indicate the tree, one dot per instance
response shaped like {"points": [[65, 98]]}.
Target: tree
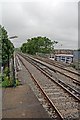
{"points": [[7, 48], [37, 45], [0, 48], [23, 47]]}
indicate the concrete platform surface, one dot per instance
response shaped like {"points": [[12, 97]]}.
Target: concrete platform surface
{"points": [[20, 102]]}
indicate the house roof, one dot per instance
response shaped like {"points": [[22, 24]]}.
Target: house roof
{"points": [[64, 55]]}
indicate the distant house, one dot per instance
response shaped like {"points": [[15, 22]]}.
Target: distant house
{"points": [[66, 58], [63, 51], [63, 55]]}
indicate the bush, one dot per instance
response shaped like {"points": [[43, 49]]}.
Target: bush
{"points": [[7, 82], [6, 71], [17, 82]]}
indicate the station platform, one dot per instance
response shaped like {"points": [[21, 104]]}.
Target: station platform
{"points": [[21, 102]]}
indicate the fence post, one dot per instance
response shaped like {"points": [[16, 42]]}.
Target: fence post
{"points": [[14, 80]]}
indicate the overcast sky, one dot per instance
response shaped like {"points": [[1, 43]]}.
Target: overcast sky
{"points": [[51, 18]]}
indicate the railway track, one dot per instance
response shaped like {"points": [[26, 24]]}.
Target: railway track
{"points": [[55, 113], [62, 69], [57, 64], [64, 82], [66, 104]]}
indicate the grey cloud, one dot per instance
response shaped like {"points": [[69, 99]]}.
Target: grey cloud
{"points": [[28, 19]]}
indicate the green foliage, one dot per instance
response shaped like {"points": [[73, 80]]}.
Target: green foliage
{"points": [[7, 50], [7, 46], [17, 49], [7, 82], [17, 82], [38, 45], [6, 71]]}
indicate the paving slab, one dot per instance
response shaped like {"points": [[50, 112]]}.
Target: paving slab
{"points": [[20, 102]]}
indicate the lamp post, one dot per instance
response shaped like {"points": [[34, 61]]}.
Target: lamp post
{"points": [[13, 67], [12, 37]]}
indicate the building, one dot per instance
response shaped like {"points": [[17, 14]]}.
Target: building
{"points": [[66, 58], [63, 51], [63, 55]]}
